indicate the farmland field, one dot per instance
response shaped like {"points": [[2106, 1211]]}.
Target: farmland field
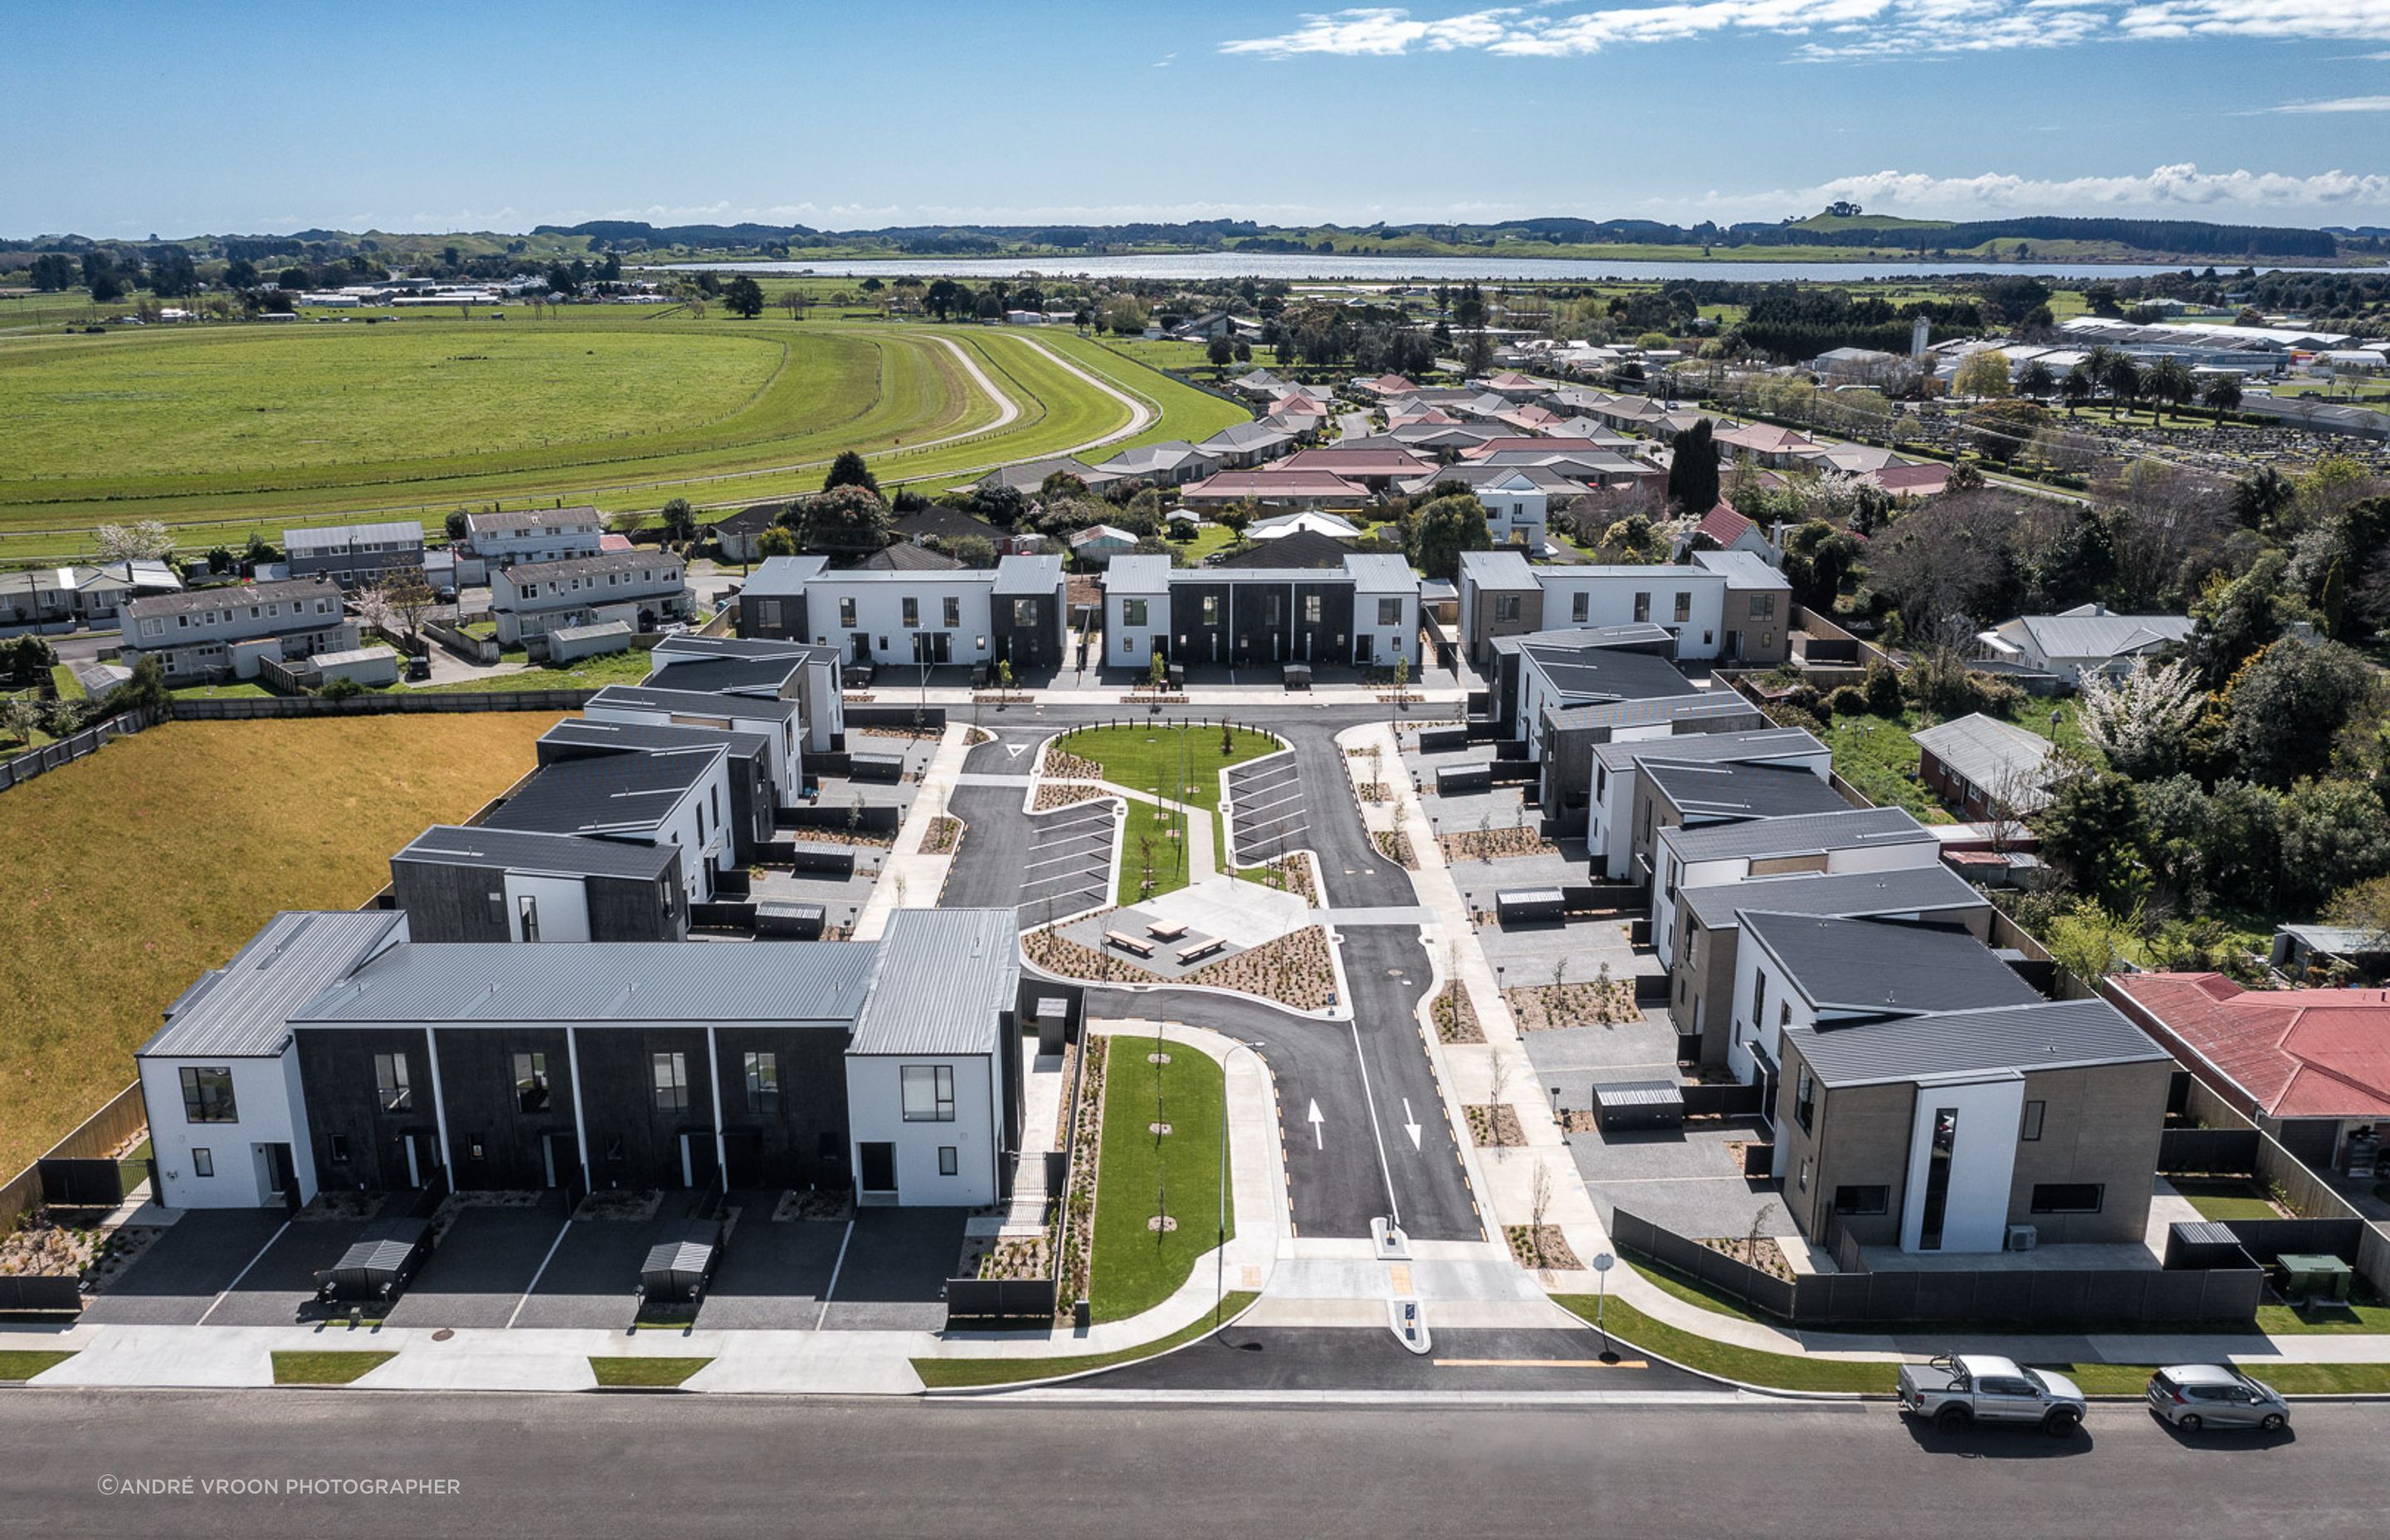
{"points": [[222, 429], [138, 868]]}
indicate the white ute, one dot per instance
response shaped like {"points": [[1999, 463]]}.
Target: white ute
{"points": [[1961, 1388]]}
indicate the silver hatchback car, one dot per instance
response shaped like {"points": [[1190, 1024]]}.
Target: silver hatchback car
{"points": [[2192, 1396]]}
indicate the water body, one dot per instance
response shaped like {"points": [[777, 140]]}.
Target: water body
{"points": [[1383, 270]]}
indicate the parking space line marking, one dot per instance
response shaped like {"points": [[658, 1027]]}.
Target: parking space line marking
{"points": [[242, 1274], [831, 1290], [553, 1247]]}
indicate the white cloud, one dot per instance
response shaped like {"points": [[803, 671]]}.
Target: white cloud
{"points": [[2339, 103], [2181, 191], [1851, 29]]}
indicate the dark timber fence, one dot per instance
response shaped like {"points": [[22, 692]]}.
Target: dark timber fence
{"points": [[257, 708], [35, 763], [97, 1138]]}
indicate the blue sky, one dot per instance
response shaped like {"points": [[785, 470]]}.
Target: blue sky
{"points": [[207, 117]]}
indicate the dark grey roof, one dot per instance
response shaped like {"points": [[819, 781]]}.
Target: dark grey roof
{"points": [[1756, 745], [695, 703], [1909, 890], [639, 736], [582, 516], [943, 976], [241, 1009], [529, 851], [672, 981], [1598, 673], [1722, 705], [1886, 967], [1637, 634], [689, 646], [239, 595], [713, 675], [1302, 548], [939, 519], [1858, 829], [1712, 793], [621, 794], [905, 557], [2047, 1034]]}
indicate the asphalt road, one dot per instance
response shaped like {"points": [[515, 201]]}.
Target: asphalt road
{"points": [[532, 1467], [1368, 1358]]}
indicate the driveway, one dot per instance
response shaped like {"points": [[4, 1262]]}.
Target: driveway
{"points": [[593, 1278], [773, 1272], [482, 1266], [893, 1277], [176, 1280], [279, 1287]]}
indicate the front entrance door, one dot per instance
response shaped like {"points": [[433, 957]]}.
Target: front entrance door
{"points": [[1361, 648], [282, 1176], [862, 647], [698, 1165], [879, 1167]]}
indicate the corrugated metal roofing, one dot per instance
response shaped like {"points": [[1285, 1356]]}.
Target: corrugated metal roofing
{"points": [[1892, 966], [1860, 829], [1761, 744], [943, 976], [1376, 573], [1710, 792], [242, 1010], [1140, 575], [639, 736], [783, 576], [1909, 890], [1607, 674], [621, 793], [529, 851], [2090, 632], [331, 537], [648, 698], [1507, 570], [1741, 570], [1992, 755], [1719, 705], [1020, 576], [715, 675], [2048, 1034], [629, 982]]}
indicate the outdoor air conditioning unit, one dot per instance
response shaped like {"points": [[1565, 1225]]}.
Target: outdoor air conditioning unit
{"points": [[2024, 1238]]}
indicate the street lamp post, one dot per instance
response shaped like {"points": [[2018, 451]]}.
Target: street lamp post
{"points": [[1220, 1243]]}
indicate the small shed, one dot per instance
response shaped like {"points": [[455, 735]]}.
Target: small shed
{"points": [[1443, 740], [789, 922], [1530, 906], [2204, 1243], [570, 642], [378, 1263], [367, 665], [1625, 1105], [1462, 780], [884, 768], [822, 860], [1298, 676], [679, 1265]]}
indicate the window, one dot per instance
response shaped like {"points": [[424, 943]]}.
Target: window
{"points": [[2069, 1196], [1506, 607], [1683, 605], [1763, 606], [1805, 1174], [953, 610], [929, 1093], [846, 612], [912, 610], [203, 1162], [207, 1096], [1758, 993], [1311, 610], [671, 1072], [764, 1083], [1390, 611], [527, 911], [1210, 610], [1643, 607], [948, 1162], [1862, 1200], [340, 1151], [1805, 1100], [1132, 611], [391, 1090], [530, 1082], [1024, 613], [2032, 1129], [768, 613]]}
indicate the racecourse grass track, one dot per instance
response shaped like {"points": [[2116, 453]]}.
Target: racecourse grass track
{"points": [[223, 430], [137, 869]]}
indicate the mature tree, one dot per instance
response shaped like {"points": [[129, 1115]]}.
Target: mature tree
{"points": [[2035, 381], [2077, 388], [457, 524], [148, 541], [2123, 377], [2285, 708], [2260, 498], [2142, 720], [2236, 617], [1445, 528], [51, 272], [999, 504], [2335, 834], [1220, 351], [2091, 829], [971, 550], [849, 470], [1983, 374], [679, 520], [846, 520], [743, 297], [1693, 470], [2002, 428], [1946, 566], [2222, 395], [775, 541], [2168, 383], [20, 715]]}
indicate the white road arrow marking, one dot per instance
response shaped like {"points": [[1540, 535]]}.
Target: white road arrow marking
{"points": [[1318, 1141], [1410, 1124]]}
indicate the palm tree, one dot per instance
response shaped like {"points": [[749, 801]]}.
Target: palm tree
{"points": [[2035, 381], [2169, 383], [2076, 387], [2123, 377], [2222, 395]]}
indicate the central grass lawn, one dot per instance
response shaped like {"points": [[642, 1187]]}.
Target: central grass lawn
{"points": [[1136, 1267], [1180, 764], [136, 869], [957, 1373], [23, 1363], [618, 1370], [326, 1369], [1752, 1367]]}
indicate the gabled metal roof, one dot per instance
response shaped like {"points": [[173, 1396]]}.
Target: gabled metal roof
{"points": [[625, 794], [1885, 967], [1860, 829], [677, 982], [241, 1010], [1754, 746], [528, 851], [1715, 792], [647, 697], [942, 978], [1904, 891], [2046, 1034]]}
